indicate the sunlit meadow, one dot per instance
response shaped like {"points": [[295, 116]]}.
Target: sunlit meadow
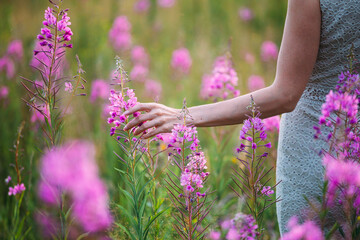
{"points": [[69, 70]]}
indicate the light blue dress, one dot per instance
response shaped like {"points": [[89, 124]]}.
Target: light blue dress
{"points": [[299, 167]]}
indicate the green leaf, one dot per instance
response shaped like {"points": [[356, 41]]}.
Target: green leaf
{"points": [[153, 218], [126, 231], [128, 214]]}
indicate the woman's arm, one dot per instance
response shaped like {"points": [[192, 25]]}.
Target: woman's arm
{"points": [[296, 60]]}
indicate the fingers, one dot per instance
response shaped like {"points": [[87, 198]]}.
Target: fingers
{"points": [[140, 107], [162, 129], [138, 120], [147, 125]]}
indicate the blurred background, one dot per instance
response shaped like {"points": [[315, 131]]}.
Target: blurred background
{"points": [[248, 31]]}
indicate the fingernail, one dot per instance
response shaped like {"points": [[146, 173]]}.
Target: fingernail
{"points": [[125, 128]]}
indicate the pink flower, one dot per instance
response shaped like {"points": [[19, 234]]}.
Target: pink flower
{"points": [[267, 191], [153, 88], [38, 116], [99, 89], [7, 65], [119, 34], [272, 124], [15, 49], [7, 180], [139, 56], [307, 231], [232, 234], [17, 189], [68, 87], [4, 92], [269, 51], [139, 73], [246, 14], [142, 6], [181, 60], [213, 235], [222, 82], [80, 181], [255, 83], [249, 58], [166, 3]]}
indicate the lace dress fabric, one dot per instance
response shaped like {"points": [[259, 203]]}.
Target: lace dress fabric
{"points": [[299, 166]]}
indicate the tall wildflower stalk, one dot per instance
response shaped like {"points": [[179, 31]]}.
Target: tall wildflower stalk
{"points": [[44, 96], [15, 228], [53, 42], [339, 127], [186, 192], [252, 178], [138, 177]]}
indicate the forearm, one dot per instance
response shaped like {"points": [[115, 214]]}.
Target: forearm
{"points": [[270, 100]]}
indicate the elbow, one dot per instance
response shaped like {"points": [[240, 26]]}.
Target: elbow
{"points": [[288, 99], [289, 102]]}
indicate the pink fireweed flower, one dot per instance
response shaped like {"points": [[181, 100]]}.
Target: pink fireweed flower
{"points": [[182, 134], [255, 82], [99, 89], [272, 124], [119, 34], [193, 176], [4, 92], [68, 87], [341, 174], [80, 181], [166, 3], [139, 56], [17, 189], [307, 231], [119, 103], [249, 58], [7, 65], [153, 88], [142, 6], [242, 226], [246, 14], [214, 235], [181, 60], [15, 50], [267, 191], [269, 51], [7, 180], [222, 82], [139, 73]]}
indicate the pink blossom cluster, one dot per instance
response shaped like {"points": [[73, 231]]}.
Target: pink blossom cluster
{"points": [[246, 134], [119, 34], [46, 37], [272, 124], [13, 54], [222, 82], [17, 189], [349, 83], [166, 3], [342, 174], [242, 226], [119, 103], [193, 176], [182, 134], [255, 82], [80, 181], [4, 92], [181, 60], [269, 51], [7, 180], [142, 6], [267, 190], [307, 231], [139, 56], [99, 89], [153, 88], [246, 14]]}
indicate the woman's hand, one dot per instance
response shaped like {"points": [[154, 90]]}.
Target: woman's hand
{"points": [[156, 115]]}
